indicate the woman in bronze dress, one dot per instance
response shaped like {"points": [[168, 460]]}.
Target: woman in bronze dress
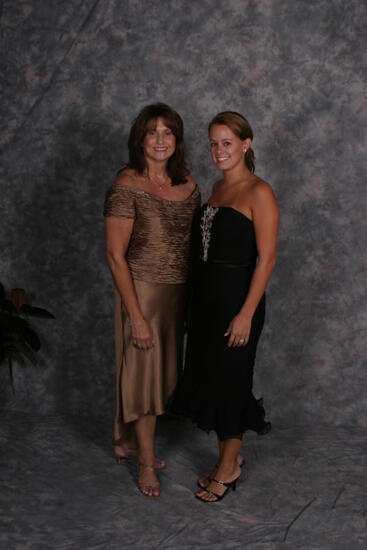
{"points": [[148, 216], [236, 237]]}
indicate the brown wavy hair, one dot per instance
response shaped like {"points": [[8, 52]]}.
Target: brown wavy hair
{"points": [[176, 166], [240, 126]]}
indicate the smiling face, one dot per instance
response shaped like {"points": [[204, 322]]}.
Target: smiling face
{"points": [[159, 142], [227, 150]]}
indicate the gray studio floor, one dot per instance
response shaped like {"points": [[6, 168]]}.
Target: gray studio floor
{"points": [[61, 488]]}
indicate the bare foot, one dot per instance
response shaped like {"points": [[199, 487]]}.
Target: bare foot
{"points": [[148, 481], [204, 481], [132, 454], [217, 488]]}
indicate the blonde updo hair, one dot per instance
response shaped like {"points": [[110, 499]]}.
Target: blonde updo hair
{"points": [[241, 128]]}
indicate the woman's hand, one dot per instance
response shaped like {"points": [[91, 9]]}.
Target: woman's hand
{"points": [[141, 335], [238, 331]]}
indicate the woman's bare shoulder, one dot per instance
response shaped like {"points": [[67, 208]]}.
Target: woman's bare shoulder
{"points": [[261, 189], [128, 177], [262, 195]]}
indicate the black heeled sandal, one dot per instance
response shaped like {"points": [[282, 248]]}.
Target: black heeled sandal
{"points": [[209, 478], [228, 485]]}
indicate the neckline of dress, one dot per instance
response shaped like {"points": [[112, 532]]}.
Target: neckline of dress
{"points": [[140, 190], [230, 208]]}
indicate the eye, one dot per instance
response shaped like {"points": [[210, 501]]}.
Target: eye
{"points": [[151, 132], [212, 144], [168, 132], [227, 143]]}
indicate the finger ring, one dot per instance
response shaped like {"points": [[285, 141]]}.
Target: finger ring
{"points": [[242, 340]]}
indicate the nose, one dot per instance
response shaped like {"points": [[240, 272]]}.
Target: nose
{"points": [[160, 137]]}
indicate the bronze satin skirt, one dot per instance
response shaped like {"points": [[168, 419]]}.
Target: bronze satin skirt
{"points": [[146, 380]]}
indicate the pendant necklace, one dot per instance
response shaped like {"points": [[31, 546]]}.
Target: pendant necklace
{"points": [[156, 182]]}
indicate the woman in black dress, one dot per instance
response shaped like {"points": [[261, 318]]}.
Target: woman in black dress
{"points": [[235, 237]]}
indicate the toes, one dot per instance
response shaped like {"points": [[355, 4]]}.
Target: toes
{"points": [[204, 495], [159, 464], [150, 491]]}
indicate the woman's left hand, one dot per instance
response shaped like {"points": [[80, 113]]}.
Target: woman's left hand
{"points": [[238, 331]]}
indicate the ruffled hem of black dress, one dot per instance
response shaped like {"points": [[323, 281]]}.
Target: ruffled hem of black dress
{"points": [[227, 422]]}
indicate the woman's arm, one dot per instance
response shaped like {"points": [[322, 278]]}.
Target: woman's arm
{"points": [[118, 233], [265, 215]]}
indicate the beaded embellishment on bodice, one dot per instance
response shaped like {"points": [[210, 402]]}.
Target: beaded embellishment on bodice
{"points": [[205, 226]]}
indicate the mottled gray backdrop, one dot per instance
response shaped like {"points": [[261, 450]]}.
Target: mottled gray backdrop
{"points": [[74, 75]]}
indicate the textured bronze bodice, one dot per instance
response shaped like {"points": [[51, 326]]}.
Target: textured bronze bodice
{"points": [[159, 244]]}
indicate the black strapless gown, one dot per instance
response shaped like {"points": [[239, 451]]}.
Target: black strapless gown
{"points": [[216, 386]]}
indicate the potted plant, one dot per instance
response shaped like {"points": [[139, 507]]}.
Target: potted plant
{"points": [[18, 340]]}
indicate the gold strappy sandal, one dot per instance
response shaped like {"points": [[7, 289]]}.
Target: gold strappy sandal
{"points": [[122, 453], [147, 488]]}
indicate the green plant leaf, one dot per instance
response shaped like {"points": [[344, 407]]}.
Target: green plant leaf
{"points": [[31, 338], [4, 318], [36, 311], [7, 305], [17, 357], [28, 352], [12, 323], [11, 375], [8, 343], [12, 347]]}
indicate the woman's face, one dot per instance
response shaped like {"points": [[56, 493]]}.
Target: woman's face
{"points": [[159, 143], [227, 149]]}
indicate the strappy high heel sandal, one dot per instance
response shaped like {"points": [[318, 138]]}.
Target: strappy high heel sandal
{"points": [[203, 482], [122, 453], [228, 485], [147, 488]]}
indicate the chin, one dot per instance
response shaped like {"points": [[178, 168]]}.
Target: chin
{"points": [[159, 156], [224, 166], [162, 157]]}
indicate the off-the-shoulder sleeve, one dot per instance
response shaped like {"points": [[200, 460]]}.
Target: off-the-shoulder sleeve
{"points": [[119, 202]]}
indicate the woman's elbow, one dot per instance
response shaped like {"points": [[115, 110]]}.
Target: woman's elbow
{"points": [[268, 262], [113, 258], [272, 262]]}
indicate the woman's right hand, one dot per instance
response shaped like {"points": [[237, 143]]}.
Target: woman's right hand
{"points": [[141, 335]]}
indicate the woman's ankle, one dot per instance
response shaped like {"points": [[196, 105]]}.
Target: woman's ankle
{"points": [[228, 469], [146, 458]]}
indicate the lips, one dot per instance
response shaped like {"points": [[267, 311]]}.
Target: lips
{"points": [[221, 159]]}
